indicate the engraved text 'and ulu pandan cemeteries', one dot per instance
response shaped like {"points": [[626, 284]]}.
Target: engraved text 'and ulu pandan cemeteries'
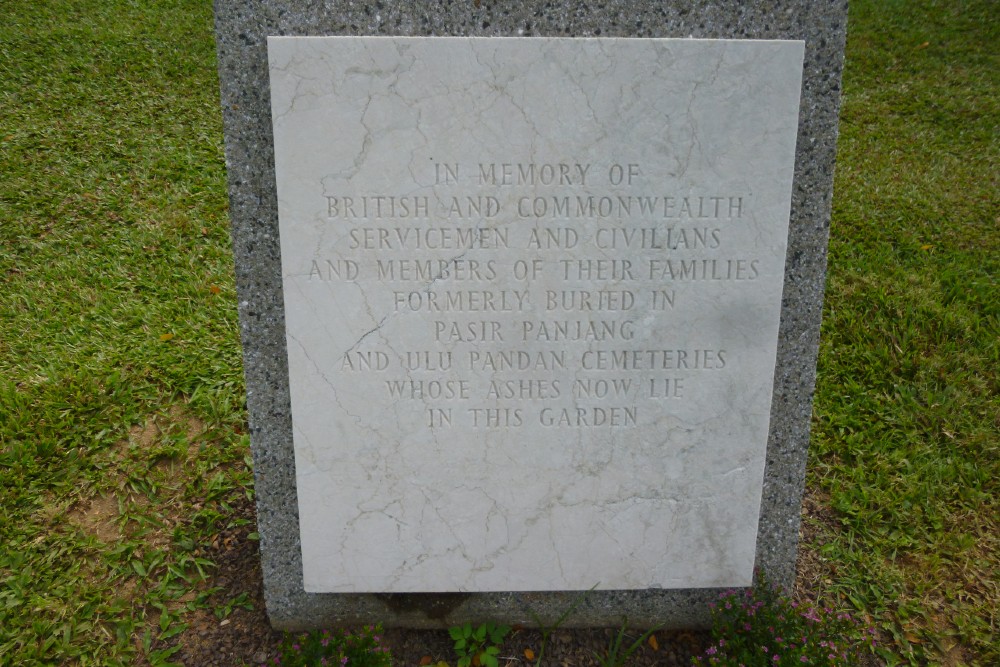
{"points": [[532, 290]]}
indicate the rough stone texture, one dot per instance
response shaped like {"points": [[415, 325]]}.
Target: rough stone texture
{"points": [[242, 27]]}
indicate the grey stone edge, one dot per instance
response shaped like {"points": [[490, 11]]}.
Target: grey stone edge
{"points": [[241, 30]]}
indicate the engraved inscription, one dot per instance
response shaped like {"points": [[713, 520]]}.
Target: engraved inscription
{"points": [[584, 270]]}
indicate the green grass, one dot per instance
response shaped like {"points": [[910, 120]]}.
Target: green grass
{"points": [[121, 390], [907, 419], [114, 236]]}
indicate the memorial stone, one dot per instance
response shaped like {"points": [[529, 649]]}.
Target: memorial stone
{"points": [[527, 317]]}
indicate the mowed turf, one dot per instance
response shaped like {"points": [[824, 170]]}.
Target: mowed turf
{"points": [[906, 436], [121, 391]]}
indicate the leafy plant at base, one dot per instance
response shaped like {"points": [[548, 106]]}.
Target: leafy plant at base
{"points": [[614, 657], [478, 646], [336, 648], [759, 626]]}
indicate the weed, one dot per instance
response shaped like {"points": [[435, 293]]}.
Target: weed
{"points": [[547, 630], [614, 656], [478, 645]]}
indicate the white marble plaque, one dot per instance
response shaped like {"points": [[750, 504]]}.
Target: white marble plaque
{"points": [[532, 290]]}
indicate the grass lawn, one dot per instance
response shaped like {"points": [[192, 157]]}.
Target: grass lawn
{"points": [[906, 445], [122, 419]]}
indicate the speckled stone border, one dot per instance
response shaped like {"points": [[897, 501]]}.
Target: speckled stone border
{"points": [[241, 30]]}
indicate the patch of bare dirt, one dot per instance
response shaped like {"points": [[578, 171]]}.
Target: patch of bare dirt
{"points": [[176, 420], [144, 435], [98, 517]]}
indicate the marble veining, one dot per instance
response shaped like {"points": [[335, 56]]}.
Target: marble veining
{"points": [[532, 291]]}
